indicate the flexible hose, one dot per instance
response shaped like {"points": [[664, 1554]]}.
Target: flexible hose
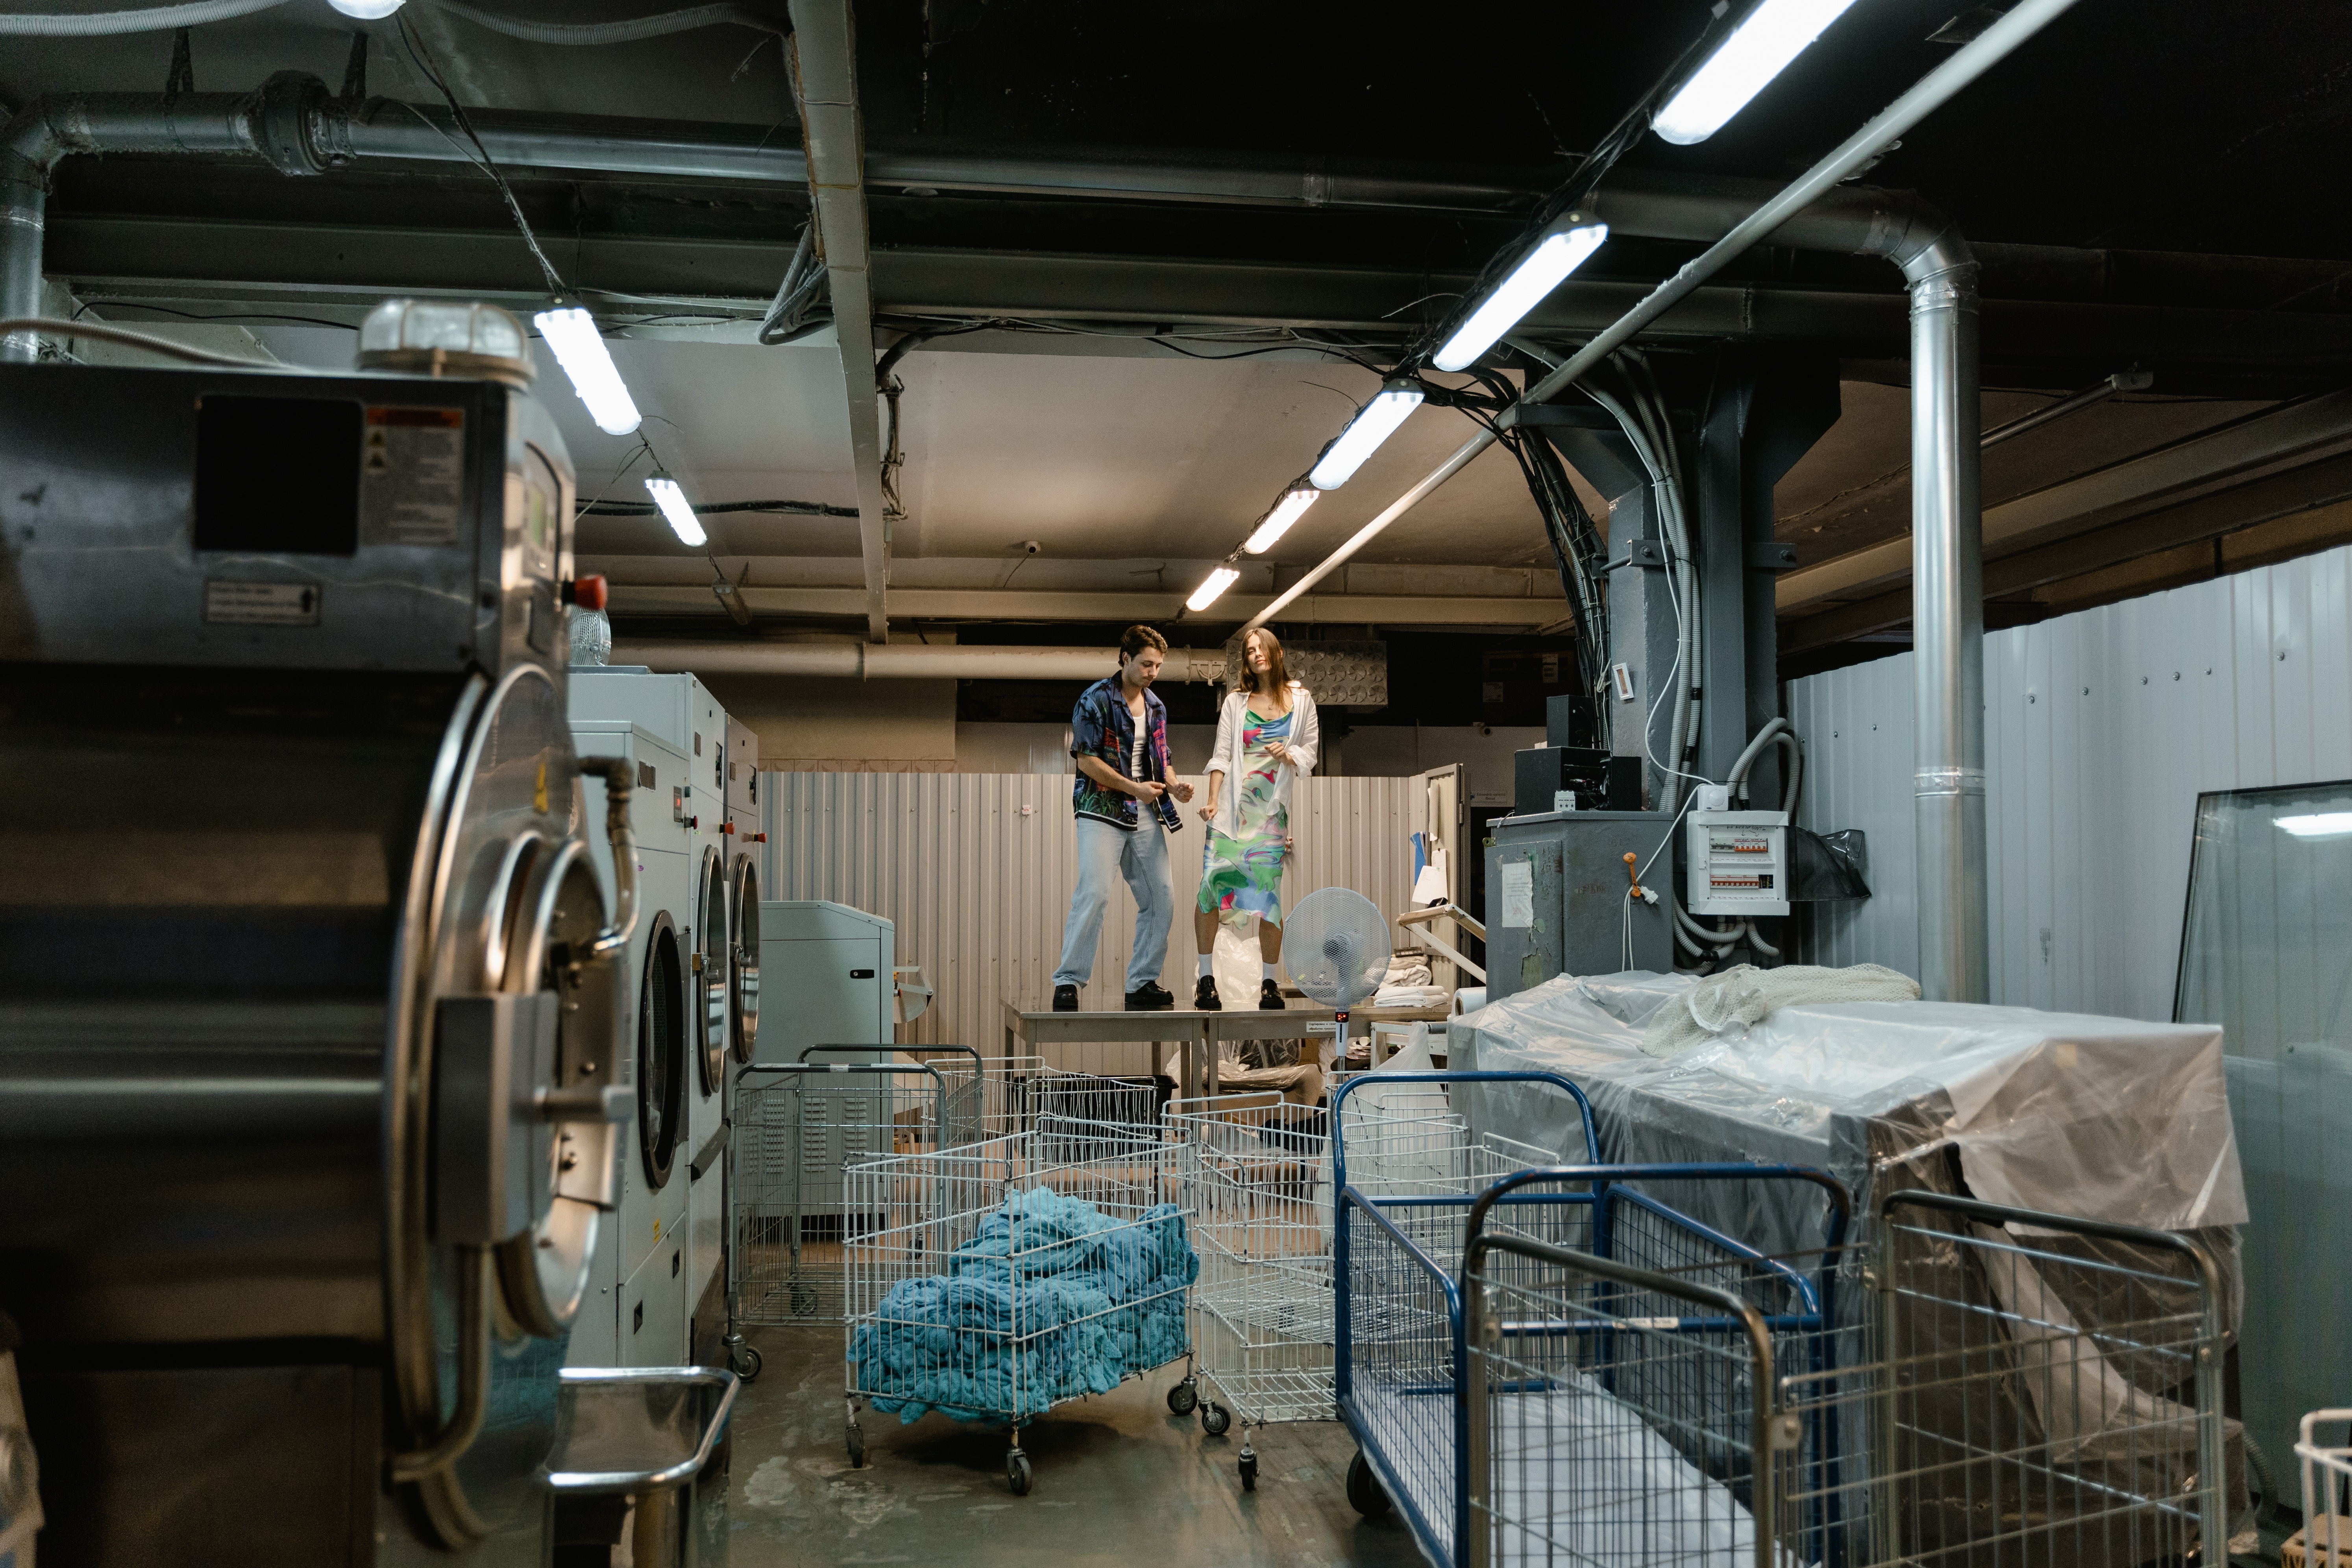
{"points": [[111, 24], [1756, 940], [624, 32], [99, 331], [166, 18]]}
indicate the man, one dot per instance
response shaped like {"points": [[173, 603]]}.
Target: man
{"points": [[1119, 733]]}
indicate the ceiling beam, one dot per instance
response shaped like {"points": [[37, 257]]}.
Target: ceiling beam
{"points": [[2265, 500], [824, 85], [1163, 609], [345, 269], [2093, 499]]}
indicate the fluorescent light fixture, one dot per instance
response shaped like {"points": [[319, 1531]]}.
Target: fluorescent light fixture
{"points": [[579, 348], [1561, 253], [367, 10], [672, 501], [1759, 49], [1210, 587], [1287, 510], [2321, 825], [1374, 423]]}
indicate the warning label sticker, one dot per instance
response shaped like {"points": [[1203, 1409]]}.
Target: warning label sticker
{"points": [[412, 476], [261, 603]]}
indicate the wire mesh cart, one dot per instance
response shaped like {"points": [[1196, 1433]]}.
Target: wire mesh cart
{"points": [[1972, 1384], [1002, 1279], [1258, 1184], [797, 1126]]}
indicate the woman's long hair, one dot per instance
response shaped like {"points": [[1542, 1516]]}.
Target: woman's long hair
{"points": [[1276, 672]]}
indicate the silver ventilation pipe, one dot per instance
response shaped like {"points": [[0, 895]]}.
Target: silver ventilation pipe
{"points": [[1946, 525]]}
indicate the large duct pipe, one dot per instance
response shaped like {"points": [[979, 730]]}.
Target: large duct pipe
{"points": [[904, 661], [1947, 633]]}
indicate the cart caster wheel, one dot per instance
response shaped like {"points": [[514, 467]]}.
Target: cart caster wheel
{"points": [[1215, 1418], [1249, 1472], [856, 1447], [1365, 1494], [747, 1363], [1016, 1473], [1182, 1398]]}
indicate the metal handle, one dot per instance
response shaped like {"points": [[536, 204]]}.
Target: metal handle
{"points": [[586, 1104], [615, 1482], [473, 1373], [614, 772]]}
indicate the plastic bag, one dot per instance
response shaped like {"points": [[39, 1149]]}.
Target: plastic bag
{"points": [[1824, 868]]}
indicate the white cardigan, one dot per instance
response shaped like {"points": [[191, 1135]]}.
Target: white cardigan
{"points": [[1306, 743]]}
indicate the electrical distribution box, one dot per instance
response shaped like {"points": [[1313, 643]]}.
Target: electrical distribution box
{"points": [[1738, 863], [1560, 898]]}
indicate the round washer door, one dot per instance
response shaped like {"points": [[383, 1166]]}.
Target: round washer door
{"points": [[713, 950], [662, 1046], [747, 958]]}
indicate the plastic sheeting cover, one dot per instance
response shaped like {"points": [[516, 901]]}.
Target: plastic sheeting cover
{"points": [[2108, 1119]]}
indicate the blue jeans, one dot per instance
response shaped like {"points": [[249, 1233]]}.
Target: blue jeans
{"points": [[1104, 852]]}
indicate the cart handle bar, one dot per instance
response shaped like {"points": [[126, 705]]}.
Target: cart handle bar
{"points": [[1605, 1177], [1339, 1152]]}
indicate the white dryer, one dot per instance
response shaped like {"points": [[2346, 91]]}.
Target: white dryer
{"points": [[636, 1310], [682, 712]]}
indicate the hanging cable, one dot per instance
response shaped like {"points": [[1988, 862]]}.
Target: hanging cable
{"points": [[479, 153]]}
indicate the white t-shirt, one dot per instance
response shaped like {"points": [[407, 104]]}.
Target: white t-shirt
{"points": [[1135, 765]]}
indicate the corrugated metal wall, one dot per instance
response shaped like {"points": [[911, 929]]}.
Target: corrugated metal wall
{"points": [[2101, 729], [976, 869]]}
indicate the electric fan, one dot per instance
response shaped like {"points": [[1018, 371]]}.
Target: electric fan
{"points": [[1336, 946]]}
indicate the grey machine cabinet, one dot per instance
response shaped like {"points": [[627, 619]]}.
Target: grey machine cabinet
{"points": [[1556, 897], [825, 971]]}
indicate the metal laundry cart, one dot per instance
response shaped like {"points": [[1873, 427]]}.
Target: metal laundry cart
{"points": [[1969, 1384], [797, 1125], [1258, 1184], [1006, 1278], [1427, 1443]]}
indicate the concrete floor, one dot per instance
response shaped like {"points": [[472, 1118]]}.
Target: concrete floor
{"points": [[1119, 1483]]}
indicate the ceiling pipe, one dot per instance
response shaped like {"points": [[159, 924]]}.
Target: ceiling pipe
{"points": [[903, 661]]}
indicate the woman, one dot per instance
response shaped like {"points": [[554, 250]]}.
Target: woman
{"points": [[1267, 736]]}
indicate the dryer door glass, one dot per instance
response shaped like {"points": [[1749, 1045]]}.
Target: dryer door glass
{"points": [[661, 1051], [747, 958], [711, 979]]}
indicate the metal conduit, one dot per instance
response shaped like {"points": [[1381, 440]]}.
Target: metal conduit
{"points": [[903, 661]]}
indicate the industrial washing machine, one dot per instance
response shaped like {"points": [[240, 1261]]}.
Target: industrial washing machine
{"points": [[636, 1301], [682, 711], [309, 1084]]}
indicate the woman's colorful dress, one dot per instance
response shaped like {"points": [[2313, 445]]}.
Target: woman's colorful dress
{"points": [[1241, 874]]}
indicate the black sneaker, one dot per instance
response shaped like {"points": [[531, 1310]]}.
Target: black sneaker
{"points": [[1150, 997], [1205, 996], [1269, 997], [1066, 998]]}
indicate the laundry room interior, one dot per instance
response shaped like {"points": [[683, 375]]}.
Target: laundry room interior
{"points": [[852, 781]]}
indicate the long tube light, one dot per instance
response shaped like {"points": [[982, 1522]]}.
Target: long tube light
{"points": [[1561, 252], [1211, 588], [1374, 423], [1287, 510], [1926, 95], [1759, 49], [672, 500], [579, 348]]}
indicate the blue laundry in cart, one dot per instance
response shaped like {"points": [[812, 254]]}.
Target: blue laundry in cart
{"points": [[1052, 1299]]}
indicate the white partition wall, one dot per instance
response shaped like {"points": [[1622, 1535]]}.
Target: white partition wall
{"points": [[976, 870], [2101, 730]]}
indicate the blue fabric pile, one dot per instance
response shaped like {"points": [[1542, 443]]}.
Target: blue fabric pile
{"points": [[1053, 1299]]}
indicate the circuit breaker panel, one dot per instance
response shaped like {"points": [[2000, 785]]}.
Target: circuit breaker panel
{"points": [[1738, 863]]}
